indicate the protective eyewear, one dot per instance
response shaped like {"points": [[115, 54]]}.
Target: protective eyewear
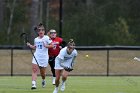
{"points": [[52, 32]]}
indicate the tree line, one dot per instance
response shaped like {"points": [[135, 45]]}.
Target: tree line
{"points": [[88, 22]]}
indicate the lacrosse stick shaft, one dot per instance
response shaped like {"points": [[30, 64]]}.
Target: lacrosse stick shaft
{"points": [[25, 37], [34, 57]]}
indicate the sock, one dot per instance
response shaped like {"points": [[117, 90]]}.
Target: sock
{"points": [[54, 77], [33, 82], [56, 88], [63, 81], [43, 80]]}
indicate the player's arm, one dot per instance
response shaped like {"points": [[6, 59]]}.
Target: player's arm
{"points": [[31, 46], [73, 62], [70, 67], [61, 62], [48, 45], [61, 57]]}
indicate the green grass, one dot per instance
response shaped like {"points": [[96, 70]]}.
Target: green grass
{"points": [[75, 84]]}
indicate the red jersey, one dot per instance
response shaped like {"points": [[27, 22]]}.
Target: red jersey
{"points": [[56, 49]]}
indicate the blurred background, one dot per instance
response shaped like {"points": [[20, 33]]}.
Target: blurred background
{"points": [[88, 22]]}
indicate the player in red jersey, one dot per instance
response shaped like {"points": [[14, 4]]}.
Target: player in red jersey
{"points": [[53, 52]]}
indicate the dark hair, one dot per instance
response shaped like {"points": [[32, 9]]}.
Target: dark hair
{"points": [[38, 26]]}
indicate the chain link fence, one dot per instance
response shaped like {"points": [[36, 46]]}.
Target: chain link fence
{"points": [[98, 61]]}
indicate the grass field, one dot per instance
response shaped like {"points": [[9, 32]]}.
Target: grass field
{"points": [[121, 62], [75, 84]]}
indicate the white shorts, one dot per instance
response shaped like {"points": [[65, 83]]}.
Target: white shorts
{"points": [[43, 62], [57, 64]]}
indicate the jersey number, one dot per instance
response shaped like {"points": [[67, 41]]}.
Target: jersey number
{"points": [[54, 47], [40, 46]]}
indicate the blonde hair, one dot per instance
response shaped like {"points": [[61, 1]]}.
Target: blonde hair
{"points": [[71, 43]]}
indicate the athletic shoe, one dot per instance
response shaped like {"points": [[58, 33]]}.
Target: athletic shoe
{"points": [[62, 86], [53, 81], [43, 83], [33, 86], [55, 90]]}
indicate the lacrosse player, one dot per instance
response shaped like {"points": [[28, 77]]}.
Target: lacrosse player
{"points": [[40, 59], [64, 63], [53, 52]]}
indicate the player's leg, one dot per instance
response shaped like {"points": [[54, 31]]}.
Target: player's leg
{"points": [[43, 75], [57, 80], [58, 74], [58, 70], [35, 70], [52, 65], [64, 78]]}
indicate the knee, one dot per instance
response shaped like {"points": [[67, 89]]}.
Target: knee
{"points": [[43, 73], [35, 70], [57, 78], [64, 76]]}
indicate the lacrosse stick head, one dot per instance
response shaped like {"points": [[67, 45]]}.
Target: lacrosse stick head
{"points": [[25, 37]]}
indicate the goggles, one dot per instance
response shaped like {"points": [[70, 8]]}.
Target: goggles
{"points": [[52, 32]]}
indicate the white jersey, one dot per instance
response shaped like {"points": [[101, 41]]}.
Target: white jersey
{"points": [[67, 58], [41, 52]]}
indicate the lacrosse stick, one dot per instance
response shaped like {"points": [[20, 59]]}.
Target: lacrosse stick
{"points": [[25, 37]]}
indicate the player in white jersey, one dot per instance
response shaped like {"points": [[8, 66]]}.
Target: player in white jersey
{"points": [[40, 58], [64, 63]]}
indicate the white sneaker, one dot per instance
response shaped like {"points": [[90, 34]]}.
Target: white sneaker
{"points": [[33, 85], [43, 83], [55, 90], [53, 80], [62, 86]]}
